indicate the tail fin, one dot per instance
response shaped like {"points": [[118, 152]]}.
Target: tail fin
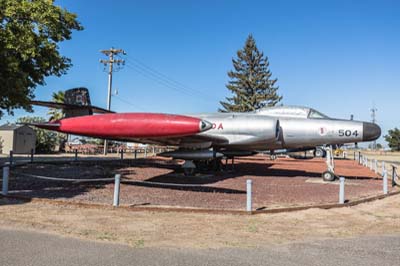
{"points": [[76, 103]]}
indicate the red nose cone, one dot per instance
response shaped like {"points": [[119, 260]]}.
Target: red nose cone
{"points": [[133, 125]]}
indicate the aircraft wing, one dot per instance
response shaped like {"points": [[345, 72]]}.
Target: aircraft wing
{"points": [[191, 140]]}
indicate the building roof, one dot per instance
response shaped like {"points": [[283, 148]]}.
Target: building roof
{"points": [[10, 126]]}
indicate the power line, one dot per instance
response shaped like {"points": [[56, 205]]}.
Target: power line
{"points": [[165, 76], [163, 79], [154, 78], [129, 103]]}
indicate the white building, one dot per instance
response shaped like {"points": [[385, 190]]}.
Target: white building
{"points": [[17, 138]]}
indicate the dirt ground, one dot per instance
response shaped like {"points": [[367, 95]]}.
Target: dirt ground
{"points": [[284, 182], [195, 230]]}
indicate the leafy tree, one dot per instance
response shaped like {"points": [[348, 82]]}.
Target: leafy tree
{"points": [[46, 140], [250, 82], [30, 31], [54, 113], [393, 139]]}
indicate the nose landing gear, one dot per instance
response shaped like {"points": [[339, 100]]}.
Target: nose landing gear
{"points": [[329, 174]]}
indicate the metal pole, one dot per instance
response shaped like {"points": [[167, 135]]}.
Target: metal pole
{"points": [[341, 190], [145, 152], [11, 157], [116, 190], [385, 184], [393, 175], [122, 154], [6, 174], [76, 155], [111, 61], [383, 167], [109, 97], [32, 153], [249, 198], [135, 153], [359, 157], [376, 166]]}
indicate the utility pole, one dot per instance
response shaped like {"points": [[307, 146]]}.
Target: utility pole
{"points": [[373, 116], [111, 61]]}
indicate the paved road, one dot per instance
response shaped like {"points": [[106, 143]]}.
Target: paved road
{"points": [[29, 248]]}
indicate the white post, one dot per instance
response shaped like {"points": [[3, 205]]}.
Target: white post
{"points": [[383, 168], [249, 192], [371, 165], [376, 166], [116, 190], [6, 174], [385, 184], [145, 152], [341, 190]]}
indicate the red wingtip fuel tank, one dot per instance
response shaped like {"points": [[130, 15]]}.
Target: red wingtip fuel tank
{"points": [[130, 125]]}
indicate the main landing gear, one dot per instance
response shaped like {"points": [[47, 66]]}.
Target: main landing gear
{"points": [[329, 174], [319, 152], [191, 167]]}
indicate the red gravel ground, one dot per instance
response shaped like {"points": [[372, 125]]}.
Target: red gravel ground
{"points": [[281, 183]]}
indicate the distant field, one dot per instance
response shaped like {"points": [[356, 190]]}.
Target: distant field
{"points": [[390, 158]]}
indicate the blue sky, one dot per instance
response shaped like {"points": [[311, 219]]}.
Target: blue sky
{"points": [[340, 57]]}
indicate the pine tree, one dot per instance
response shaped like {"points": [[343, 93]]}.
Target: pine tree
{"points": [[250, 82]]}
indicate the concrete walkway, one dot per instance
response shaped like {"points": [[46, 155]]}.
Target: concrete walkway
{"points": [[31, 248]]}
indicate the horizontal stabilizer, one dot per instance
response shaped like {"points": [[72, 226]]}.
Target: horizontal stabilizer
{"points": [[67, 106], [48, 125]]}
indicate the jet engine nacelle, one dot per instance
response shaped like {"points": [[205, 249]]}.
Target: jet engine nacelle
{"points": [[245, 129]]}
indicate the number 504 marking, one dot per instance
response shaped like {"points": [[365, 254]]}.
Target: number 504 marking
{"points": [[347, 133]]}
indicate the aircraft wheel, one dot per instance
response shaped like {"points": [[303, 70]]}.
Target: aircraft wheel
{"points": [[189, 171], [328, 176], [319, 153]]}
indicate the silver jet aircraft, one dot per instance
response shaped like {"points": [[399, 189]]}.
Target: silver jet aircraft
{"points": [[270, 128], [204, 139]]}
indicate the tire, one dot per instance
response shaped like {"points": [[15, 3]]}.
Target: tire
{"points": [[320, 153], [328, 176], [189, 171]]}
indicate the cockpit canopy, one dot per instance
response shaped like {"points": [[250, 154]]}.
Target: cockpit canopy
{"points": [[292, 111]]}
